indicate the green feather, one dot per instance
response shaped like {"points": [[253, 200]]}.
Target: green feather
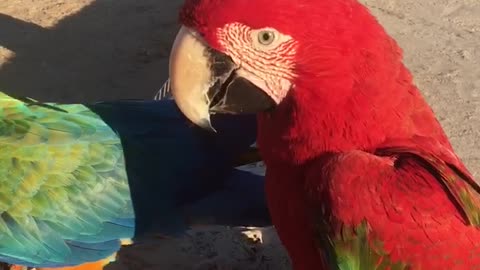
{"points": [[351, 249], [57, 164]]}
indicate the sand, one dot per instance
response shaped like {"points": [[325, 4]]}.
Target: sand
{"points": [[87, 50]]}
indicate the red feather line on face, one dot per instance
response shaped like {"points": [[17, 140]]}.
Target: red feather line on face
{"points": [[274, 66]]}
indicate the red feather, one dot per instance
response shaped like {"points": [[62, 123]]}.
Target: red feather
{"points": [[360, 143], [410, 198]]}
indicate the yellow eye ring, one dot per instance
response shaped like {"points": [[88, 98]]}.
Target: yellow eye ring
{"points": [[266, 37]]}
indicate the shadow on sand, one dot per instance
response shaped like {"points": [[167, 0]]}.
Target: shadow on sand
{"points": [[105, 51]]}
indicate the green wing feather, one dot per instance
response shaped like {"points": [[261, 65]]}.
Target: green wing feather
{"points": [[62, 179]]}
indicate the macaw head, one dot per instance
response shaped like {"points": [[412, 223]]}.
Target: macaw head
{"points": [[248, 56]]}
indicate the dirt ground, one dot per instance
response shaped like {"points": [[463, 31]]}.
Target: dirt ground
{"points": [[86, 50]]}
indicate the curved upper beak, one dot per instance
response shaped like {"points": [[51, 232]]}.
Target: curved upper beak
{"points": [[205, 81]]}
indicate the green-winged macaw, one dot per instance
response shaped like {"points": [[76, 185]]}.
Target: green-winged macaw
{"points": [[360, 174]]}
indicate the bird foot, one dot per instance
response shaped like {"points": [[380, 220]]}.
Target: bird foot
{"points": [[253, 235]]}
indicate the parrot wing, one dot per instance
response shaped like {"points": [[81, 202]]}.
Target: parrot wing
{"points": [[181, 175], [383, 205], [448, 170], [64, 194]]}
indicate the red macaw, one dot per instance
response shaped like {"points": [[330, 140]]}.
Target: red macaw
{"points": [[360, 174]]}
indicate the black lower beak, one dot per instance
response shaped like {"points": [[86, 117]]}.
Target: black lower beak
{"points": [[234, 94]]}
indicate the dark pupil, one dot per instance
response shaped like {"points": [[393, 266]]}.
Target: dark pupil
{"points": [[266, 36]]}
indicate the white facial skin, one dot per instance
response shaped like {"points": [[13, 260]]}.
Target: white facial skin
{"points": [[265, 56]]}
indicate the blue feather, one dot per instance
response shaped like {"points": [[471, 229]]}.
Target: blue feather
{"points": [[179, 175], [194, 173]]}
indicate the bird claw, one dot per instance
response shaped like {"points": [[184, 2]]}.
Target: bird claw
{"points": [[253, 235]]}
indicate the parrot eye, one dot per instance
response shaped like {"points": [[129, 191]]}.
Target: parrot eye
{"points": [[266, 37]]}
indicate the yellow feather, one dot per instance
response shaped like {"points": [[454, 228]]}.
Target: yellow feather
{"points": [[31, 184]]}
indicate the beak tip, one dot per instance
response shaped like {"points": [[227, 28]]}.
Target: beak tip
{"points": [[206, 124]]}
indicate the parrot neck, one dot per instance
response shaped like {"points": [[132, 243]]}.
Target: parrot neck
{"points": [[305, 125]]}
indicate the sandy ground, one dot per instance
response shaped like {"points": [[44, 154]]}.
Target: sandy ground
{"points": [[82, 50]]}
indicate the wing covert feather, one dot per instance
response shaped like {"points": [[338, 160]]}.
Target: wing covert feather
{"points": [[63, 184], [390, 208]]}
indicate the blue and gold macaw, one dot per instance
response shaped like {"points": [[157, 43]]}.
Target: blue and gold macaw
{"points": [[77, 179]]}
